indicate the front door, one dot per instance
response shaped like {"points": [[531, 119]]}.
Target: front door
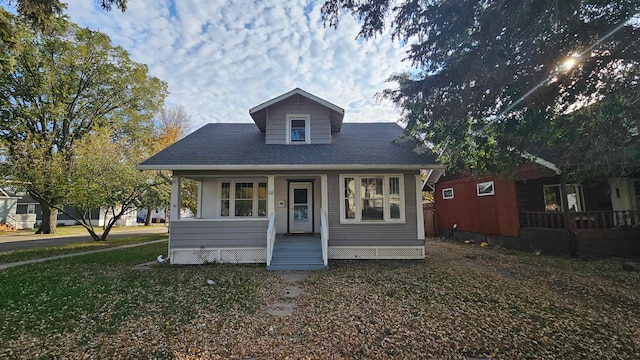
{"points": [[300, 207]]}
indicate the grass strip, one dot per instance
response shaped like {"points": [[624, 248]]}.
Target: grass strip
{"points": [[21, 255]]}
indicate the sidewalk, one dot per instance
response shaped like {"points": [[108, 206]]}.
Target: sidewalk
{"points": [[24, 241], [33, 261]]}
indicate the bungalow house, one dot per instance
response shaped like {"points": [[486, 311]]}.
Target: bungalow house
{"points": [[296, 188], [8, 202], [540, 211]]}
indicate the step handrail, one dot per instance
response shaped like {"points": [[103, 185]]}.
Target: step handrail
{"points": [[271, 237], [324, 236]]}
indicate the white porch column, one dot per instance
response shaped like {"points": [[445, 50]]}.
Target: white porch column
{"points": [[324, 193], [419, 210], [174, 212], [198, 213], [324, 219], [271, 197]]}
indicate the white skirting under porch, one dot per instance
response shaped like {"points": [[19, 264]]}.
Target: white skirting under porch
{"points": [[194, 256], [376, 252]]}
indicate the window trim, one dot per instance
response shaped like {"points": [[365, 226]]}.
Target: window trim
{"points": [[444, 197], [307, 128], [493, 188], [563, 196], [386, 199], [232, 198]]}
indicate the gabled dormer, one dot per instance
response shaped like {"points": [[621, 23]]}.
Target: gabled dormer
{"points": [[298, 118]]}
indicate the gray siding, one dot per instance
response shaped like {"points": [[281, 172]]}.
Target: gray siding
{"points": [[277, 116], [373, 234], [228, 233]]}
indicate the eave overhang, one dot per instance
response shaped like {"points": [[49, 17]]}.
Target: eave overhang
{"points": [[306, 167]]}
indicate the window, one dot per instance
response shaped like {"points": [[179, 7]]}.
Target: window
{"points": [[298, 129], [243, 199], [31, 209], [447, 193], [554, 201], [372, 198], [485, 188]]}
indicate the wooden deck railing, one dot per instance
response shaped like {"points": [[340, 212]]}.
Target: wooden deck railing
{"points": [[583, 220]]}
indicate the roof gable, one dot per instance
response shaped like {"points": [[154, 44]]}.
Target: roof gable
{"points": [[259, 113]]}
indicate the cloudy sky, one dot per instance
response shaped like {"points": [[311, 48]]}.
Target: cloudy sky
{"points": [[220, 58]]}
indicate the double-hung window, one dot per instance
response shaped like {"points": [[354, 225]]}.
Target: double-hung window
{"points": [[298, 129], [372, 198], [243, 199]]}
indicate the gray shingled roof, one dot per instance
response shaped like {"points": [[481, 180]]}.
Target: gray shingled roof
{"points": [[223, 145]]}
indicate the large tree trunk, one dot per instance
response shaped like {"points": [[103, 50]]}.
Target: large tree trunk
{"points": [[147, 219], [49, 220]]}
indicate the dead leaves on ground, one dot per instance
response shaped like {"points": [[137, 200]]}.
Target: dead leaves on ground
{"points": [[463, 301]]}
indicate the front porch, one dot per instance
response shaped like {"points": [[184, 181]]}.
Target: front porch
{"points": [[244, 219], [584, 233]]}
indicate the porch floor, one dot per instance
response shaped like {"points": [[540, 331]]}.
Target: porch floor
{"points": [[291, 252]]}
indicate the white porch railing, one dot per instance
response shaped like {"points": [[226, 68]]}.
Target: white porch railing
{"points": [[271, 237], [324, 236]]}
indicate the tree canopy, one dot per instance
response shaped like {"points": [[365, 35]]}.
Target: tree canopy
{"points": [[66, 85], [493, 80]]}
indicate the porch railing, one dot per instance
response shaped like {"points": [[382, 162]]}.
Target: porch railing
{"points": [[582, 220], [271, 237], [324, 236]]}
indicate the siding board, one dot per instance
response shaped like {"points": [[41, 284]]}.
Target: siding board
{"points": [[231, 233], [373, 234], [319, 122]]}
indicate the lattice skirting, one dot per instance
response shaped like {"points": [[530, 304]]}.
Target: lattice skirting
{"points": [[376, 252], [186, 256]]}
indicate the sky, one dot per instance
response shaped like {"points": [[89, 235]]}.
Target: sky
{"points": [[221, 58]]}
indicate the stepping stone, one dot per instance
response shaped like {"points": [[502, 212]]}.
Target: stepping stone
{"points": [[281, 309], [294, 276], [293, 291]]}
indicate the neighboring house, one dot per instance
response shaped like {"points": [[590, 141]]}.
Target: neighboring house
{"points": [[8, 202], [540, 211], [349, 189], [30, 212]]}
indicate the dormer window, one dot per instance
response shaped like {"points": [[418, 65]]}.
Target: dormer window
{"points": [[298, 129]]}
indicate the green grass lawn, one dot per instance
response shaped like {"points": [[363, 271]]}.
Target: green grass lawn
{"points": [[21, 255], [463, 301]]}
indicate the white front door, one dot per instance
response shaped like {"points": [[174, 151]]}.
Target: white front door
{"points": [[300, 207]]}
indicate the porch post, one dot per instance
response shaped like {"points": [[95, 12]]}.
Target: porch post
{"points": [[198, 213], [419, 209], [324, 218], [174, 209], [324, 194], [174, 212], [271, 197]]}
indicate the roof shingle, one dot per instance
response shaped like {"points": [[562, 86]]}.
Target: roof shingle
{"points": [[243, 144]]}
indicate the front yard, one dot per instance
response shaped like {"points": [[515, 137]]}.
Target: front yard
{"points": [[463, 301]]}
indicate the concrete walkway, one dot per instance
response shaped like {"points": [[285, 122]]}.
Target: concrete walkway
{"points": [[33, 261]]}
